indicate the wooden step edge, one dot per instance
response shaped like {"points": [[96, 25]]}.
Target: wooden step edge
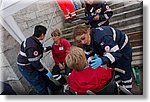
{"points": [[137, 32]]}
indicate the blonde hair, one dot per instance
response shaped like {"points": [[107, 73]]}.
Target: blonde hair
{"points": [[56, 32], [76, 58]]}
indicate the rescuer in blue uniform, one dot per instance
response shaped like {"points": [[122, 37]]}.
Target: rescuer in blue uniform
{"points": [[29, 64], [97, 13], [112, 47]]}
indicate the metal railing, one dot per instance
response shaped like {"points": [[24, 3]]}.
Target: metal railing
{"points": [[46, 37]]}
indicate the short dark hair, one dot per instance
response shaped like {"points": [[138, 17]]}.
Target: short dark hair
{"points": [[39, 30]]}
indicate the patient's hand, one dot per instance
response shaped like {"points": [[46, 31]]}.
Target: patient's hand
{"points": [[61, 66]]}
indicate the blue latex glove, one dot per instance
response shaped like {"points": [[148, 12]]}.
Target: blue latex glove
{"points": [[51, 45], [49, 74], [96, 62]]}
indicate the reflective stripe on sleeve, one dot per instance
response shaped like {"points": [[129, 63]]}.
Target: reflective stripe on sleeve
{"points": [[57, 77], [114, 33], [41, 69], [24, 44], [87, 53], [117, 76], [35, 59], [127, 81], [54, 76], [114, 49], [99, 24], [125, 42], [91, 9], [118, 81], [110, 57], [22, 54], [23, 64], [45, 48], [106, 16]]}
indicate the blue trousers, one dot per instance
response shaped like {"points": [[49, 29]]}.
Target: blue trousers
{"points": [[35, 79], [124, 63], [57, 75]]}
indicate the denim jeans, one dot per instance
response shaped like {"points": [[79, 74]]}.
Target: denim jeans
{"points": [[35, 79]]}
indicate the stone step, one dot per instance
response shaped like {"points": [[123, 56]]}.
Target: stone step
{"points": [[74, 23], [68, 35], [126, 14], [132, 28], [135, 39], [112, 6], [114, 20], [132, 36], [135, 35], [137, 42], [134, 43], [137, 48], [137, 60], [127, 7], [127, 21], [80, 11], [137, 53], [139, 57], [79, 16], [68, 30], [126, 29], [137, 63], [116, 5], [117, 24]]}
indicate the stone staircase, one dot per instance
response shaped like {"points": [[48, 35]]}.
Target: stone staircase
{"points": [[127, 17]]}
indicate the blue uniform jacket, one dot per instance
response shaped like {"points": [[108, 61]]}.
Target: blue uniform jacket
{"points": [[30, 54], [101, 9], [109, 43]]}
